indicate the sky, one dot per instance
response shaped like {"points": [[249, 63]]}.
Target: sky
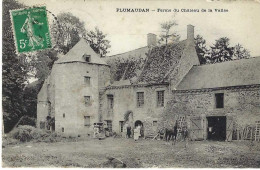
{"points": [[127, 31]]}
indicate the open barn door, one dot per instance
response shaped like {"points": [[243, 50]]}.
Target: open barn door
{"points": [[196, 128], [229, 130]]}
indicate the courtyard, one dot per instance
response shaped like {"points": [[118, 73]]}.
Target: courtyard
{"points": [[144, 153]]}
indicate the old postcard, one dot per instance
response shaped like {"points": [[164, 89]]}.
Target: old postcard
{"points": [[131, 84]]}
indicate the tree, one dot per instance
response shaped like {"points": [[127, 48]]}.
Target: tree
{"points": [[67, 30], [240, 52], [168, 34], [42, 63], [201, 49], [221, 51], [97, 42], [14, 70]]}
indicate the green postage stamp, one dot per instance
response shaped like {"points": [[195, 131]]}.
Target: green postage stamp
{"points": [[31, 29]]}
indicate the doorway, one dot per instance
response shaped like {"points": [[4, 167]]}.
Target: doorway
{"points": [[216, 128], [109, 125]]}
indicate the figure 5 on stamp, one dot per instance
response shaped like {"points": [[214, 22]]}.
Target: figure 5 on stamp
{"points": [[31, 29]]}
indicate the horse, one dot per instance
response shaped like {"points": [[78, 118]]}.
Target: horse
{"points": [[171, 134]]}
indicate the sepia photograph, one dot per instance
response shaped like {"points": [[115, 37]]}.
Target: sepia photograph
{"points": [[130, 84]]}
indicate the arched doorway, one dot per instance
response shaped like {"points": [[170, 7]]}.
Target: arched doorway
{"points": [[140, 123]]}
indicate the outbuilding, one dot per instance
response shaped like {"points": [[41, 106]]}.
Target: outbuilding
{"points": [[217, 99]]}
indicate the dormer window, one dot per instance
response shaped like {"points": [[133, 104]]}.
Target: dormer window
{"points": [[86, 58]]}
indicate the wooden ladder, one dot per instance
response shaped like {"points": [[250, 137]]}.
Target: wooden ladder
{"points": [[181, 123], [257, 131]]}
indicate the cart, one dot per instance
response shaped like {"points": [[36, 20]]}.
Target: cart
{"points": [[99, 132]]}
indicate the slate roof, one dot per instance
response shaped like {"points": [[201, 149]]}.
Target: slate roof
{"points": [[226, 74], [77, 52], [161, 61], [125, 67], [144, 66]]}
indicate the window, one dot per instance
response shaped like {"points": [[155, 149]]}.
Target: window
{"points": [[86, 120], [219, 97], [42, 125], [121, 126], [154, 123], [62, 129], [87, 100], [109, 125], [110, 101], [87, 80], [86, 57], [140, 99], [160, 98], [63, 115]]}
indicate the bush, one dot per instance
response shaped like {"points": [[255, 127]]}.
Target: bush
{"points": [[22, 133], [9, 141], [27, 133]]}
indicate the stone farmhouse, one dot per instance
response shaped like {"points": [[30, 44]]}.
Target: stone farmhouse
{"points": [[154, 86]]}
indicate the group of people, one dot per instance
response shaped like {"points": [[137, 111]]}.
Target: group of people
{"points": [[136, 132]]}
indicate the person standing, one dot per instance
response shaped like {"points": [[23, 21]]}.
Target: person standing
{"points": [[128, 129], [137, 133], [124, 134], [96, 131], [142, 131]]}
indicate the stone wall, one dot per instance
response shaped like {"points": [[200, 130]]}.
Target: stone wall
{"points": [[42, 105], [103, 76], [125, 99], [242, 104], [70, 92], [45, 100]]}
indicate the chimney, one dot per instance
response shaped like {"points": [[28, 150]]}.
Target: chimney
{"points": [[190, 32], [151, 39]]}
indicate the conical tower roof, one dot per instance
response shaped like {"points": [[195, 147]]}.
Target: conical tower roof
{"points": [[78, 51]]}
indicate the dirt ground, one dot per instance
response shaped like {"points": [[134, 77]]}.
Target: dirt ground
{"points": [[91, 153]]}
